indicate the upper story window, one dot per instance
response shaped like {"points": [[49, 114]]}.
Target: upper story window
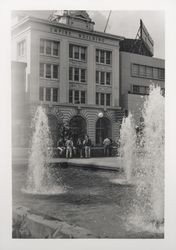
{"points": [[103, 78], [77, 74], [103, 56], [77, 96], [48, 94], [48, 47], [21, 48], [103, 99], [145, 71], [77, 52], [49, 71]]}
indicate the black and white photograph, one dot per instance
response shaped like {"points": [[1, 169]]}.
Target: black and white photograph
{"points": [[87, 128], [88, 125]]}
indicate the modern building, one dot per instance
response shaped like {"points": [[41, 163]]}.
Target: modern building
{"points": [[137, 73], [73, 71], [85, 79]]}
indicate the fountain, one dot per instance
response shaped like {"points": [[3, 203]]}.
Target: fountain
{"points": [[40, 172], [150, 166], [143, 162]]}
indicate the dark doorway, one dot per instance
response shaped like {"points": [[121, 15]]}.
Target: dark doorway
{"points": [[54, 128], [103, 130], [78, 128]]}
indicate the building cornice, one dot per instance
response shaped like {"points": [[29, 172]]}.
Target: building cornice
{"points": [[60, 25]]}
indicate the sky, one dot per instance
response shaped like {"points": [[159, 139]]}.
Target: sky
{"points": [[125, 23]]}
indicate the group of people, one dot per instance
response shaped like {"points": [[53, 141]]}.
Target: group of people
{"points": [[82, 147]]}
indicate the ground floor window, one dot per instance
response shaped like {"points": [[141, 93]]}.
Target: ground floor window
{"points": [[103, 130]]}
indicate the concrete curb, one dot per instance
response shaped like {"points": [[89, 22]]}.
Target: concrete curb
{"points": [[27, 224]]}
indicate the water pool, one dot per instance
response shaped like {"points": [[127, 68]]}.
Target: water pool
{"points": [[91, 201]]}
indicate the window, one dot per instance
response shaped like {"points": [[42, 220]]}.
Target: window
{"points": [[83, 75], [108, 99], [41, 93], [147, 72], [97, 76], [135, 70], [48, 94], [83, 97], [48, 47], [142, 71], [142, 90], [102, 99], [55, 94], [83, 53], [48, 70], [55, 48], [70, 73], [77, 96], [77, 52], [161, 74], [108, 57], [135, 89], [77, 74], [21, 48], [108, 78], [103, 77], [41, 69], [70, 96], [97, 56], [103, 56], [55, 71], [102, 81]]}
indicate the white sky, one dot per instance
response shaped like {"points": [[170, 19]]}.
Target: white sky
{"points": [[126, 23]]}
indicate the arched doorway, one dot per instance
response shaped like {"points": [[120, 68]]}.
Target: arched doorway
{"points": [[78, 127], [103, 130], [54, 128]]}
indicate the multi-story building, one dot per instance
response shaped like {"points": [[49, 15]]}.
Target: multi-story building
{"points": [[85, 79], [73, 71]]}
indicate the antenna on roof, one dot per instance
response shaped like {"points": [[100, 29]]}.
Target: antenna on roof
{"points": [[107, 21]]}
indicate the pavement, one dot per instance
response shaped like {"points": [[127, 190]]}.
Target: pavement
{"points": [[106, 163], [20, 157]]}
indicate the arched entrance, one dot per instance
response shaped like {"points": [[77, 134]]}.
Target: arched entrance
{"points": [[103, 130], [54, 128], [78, 127]]}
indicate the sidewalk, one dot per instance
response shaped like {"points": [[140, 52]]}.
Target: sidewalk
{"points": [[107, 163]]}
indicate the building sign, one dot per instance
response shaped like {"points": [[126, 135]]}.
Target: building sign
{"points": [[145, 37], [78, 35]]}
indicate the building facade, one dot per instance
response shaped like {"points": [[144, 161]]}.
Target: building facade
{"points": [[73, 71]]}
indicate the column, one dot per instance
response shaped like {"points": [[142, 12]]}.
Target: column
{"points": [[115, 77], [91, 68]]}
